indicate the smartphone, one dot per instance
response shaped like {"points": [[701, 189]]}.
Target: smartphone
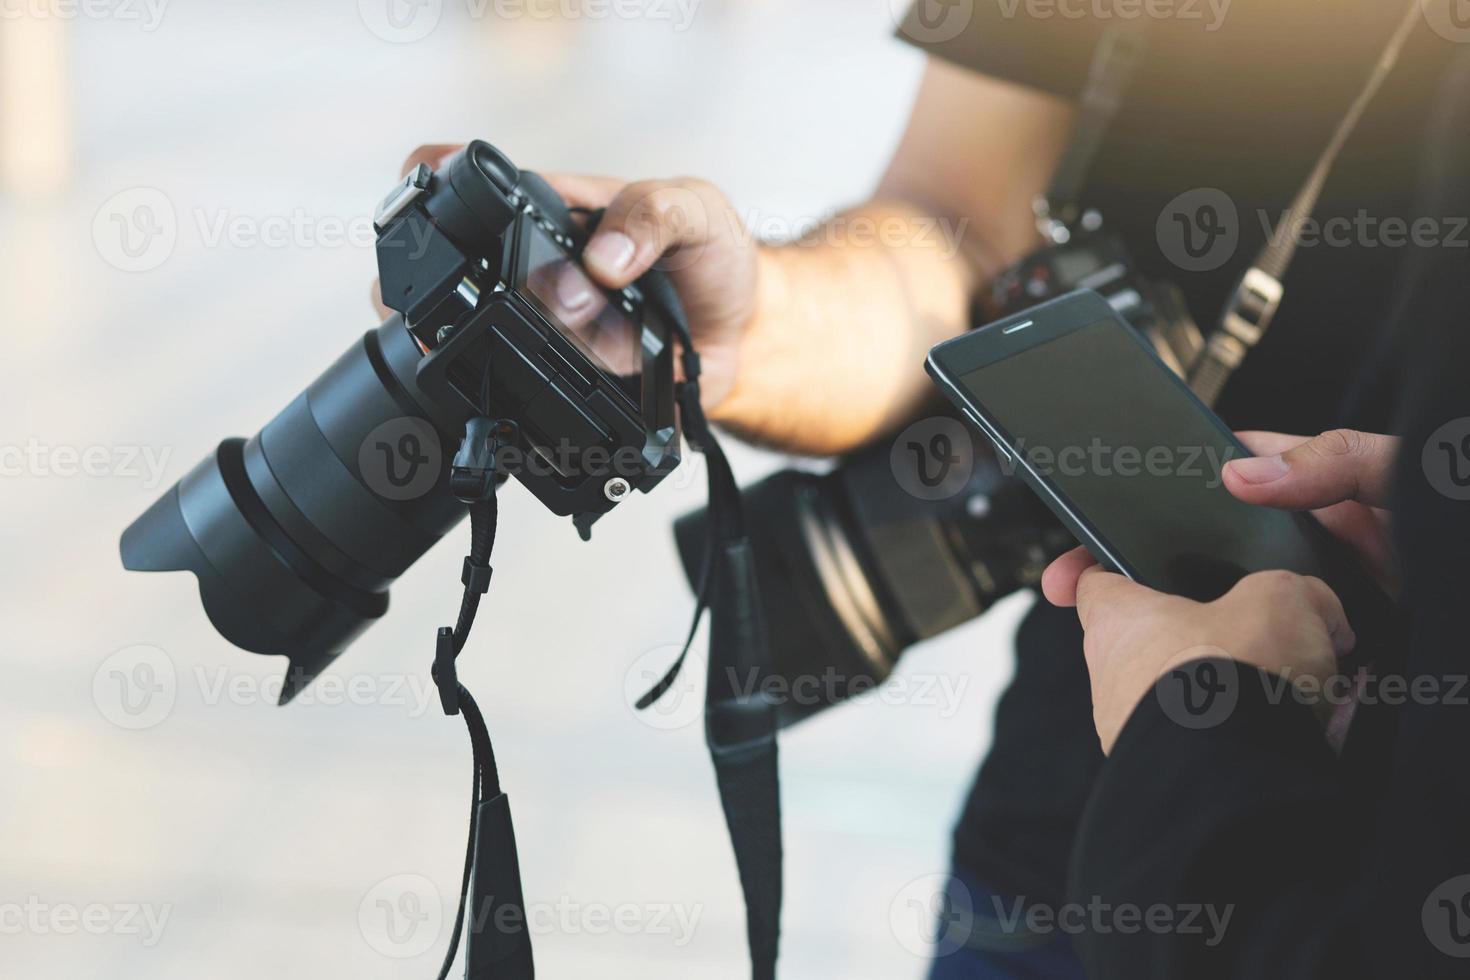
{"points": [[1117, 445]]}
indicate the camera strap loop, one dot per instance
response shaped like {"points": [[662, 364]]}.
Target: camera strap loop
{"points": [[499, 943]]}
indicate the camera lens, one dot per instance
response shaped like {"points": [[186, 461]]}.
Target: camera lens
{"points": [[862, 567], [297, 533]]}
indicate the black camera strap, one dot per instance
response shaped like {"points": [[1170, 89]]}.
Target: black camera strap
{"points": [[1119, 53], [740, 715]]}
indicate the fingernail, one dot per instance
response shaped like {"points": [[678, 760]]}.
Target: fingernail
{"points": [[572, 290], [1259, 469], [610, 252]]}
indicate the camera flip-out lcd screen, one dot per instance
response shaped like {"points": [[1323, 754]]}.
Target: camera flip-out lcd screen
{"points": [[588, 316]]}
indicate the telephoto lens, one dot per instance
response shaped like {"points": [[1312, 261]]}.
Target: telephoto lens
{"points": [[872, 557], [296, 533]]}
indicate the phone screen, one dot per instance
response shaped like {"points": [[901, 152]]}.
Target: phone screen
{"points": [[1111, 431]]}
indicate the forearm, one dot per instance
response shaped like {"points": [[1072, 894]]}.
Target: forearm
{"points": [[843, 320]]}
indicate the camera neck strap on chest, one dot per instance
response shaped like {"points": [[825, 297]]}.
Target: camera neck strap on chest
{"points": [[740, 714], [1253, 304]]}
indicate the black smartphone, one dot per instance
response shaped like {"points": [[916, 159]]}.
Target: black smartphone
{"points": [[1121, 450]]}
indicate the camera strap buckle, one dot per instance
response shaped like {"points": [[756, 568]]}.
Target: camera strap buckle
{"points": [[473, 474], [1253, 306]]}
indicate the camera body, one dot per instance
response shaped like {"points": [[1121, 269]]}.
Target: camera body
{"points": [[297, 533], [478, 260], [1093, 259]]}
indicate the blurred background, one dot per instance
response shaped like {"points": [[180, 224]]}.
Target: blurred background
{"points": [[185, 198]]}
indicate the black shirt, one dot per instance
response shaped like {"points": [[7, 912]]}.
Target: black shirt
{"points": [[1333, 867], [1244, 108]]}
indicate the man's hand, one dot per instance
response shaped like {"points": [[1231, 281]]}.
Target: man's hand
{"points": [[1277, 621], [685, 227], [1282, 623], [1341, 476], [688, 229]]}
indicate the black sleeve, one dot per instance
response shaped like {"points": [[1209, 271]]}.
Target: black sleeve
{"points": [[1235, 833], [996, 38]]}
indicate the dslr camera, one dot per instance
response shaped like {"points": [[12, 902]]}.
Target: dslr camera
{"points": [[296, 533]]}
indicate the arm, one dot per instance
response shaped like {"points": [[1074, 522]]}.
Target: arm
{"points": [[817, 346]]}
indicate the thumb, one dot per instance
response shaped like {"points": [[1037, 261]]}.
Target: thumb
{"points": [[1099, 592], [1339, 465]]}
